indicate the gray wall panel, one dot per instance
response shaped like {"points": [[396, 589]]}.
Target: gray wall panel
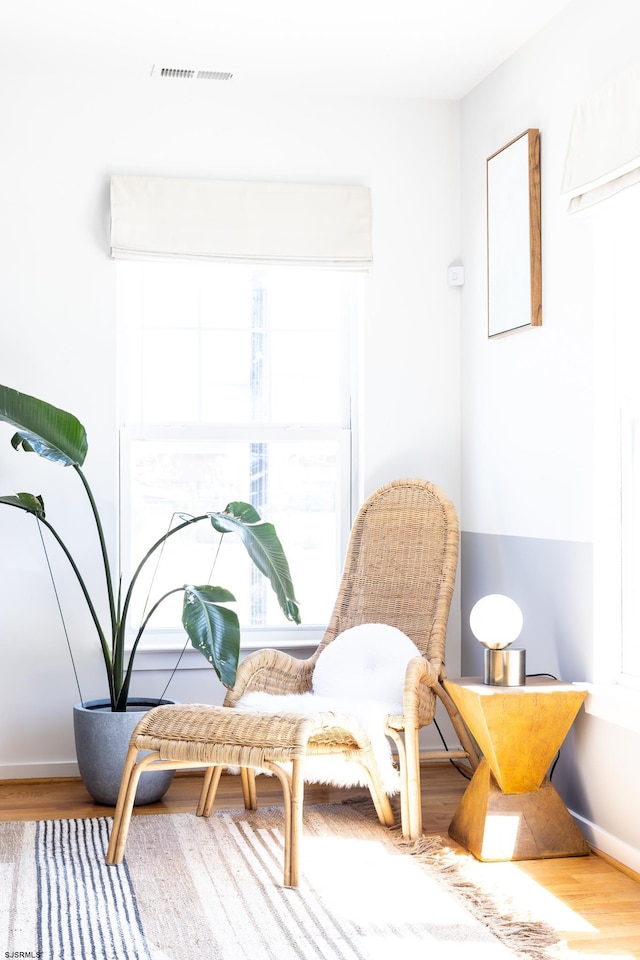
{"points": [[551, 580]]}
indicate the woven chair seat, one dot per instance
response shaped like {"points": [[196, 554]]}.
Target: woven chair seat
{"points": [[196, 735], [221, 735]]}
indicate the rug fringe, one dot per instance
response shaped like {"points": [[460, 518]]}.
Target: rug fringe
{"points": [[531, 939]]}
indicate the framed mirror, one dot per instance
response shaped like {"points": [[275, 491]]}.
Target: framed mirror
{"points": [[514, 265]]}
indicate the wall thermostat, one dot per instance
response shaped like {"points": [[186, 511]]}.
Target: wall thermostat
{"points": [[455, 276]]}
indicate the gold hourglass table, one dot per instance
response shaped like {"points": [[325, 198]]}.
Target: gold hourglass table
{"points": [[510, 810]]}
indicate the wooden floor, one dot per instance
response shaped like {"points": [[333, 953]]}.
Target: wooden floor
{"points": [[594, 906]]}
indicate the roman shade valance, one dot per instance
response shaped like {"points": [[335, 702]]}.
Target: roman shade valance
{"points": [[603, 155], [309, 224]]}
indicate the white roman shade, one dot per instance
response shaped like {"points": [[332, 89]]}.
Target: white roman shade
{"points": [[309, 224], [603, 155]]}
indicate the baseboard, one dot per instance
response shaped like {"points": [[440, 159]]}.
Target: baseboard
{"points": [[620, 867], [61, 769], [622, 855], [65, 769]]}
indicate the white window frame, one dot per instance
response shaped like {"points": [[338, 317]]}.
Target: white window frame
{"points": [[614, 695], [159, 647]]}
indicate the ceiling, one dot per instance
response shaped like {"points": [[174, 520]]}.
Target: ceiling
{"points": [[406, 48]]}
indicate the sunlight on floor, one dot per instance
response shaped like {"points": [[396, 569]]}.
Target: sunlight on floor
{"points": [[500, 835], [508, 882], [380, 888], [389, 885], [380, 885], [576, 954], [388, 897], [511, 886]]}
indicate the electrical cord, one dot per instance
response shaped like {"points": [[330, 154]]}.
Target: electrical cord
{"points": [[551, 677], [451, 760]]}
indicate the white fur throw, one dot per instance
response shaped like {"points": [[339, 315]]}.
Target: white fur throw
{"points": [[360, 673]]}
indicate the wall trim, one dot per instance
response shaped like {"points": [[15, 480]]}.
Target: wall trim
{"points": [[605, 842], [64, 769], [60, 769], [164, 651]]}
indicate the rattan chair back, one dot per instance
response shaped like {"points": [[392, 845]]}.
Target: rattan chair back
{"points": [[401, 566]]}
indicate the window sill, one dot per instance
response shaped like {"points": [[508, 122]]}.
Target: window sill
{"points": [[160, 652], [615, 703]]}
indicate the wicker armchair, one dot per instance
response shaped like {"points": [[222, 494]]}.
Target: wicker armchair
{"points": [[400, 570]]}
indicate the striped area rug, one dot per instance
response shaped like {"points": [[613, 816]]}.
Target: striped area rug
{"points": [[192, 888]]}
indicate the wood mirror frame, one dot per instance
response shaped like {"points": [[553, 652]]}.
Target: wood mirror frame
{"points": [[514, 263]]}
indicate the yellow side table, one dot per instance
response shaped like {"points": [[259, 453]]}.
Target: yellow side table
{"points": [[510, 810]]}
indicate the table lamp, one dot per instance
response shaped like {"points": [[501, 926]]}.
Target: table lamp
{"points": [[496, 621]]}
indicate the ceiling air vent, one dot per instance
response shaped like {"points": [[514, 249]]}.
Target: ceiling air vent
{"points": [[213, 75], [175, 73]]}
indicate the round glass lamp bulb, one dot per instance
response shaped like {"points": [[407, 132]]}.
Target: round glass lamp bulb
{"points": [[496, 621]]}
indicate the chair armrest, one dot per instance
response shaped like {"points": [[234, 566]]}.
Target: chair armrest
{"points": [[419, 696], [272, 671]]}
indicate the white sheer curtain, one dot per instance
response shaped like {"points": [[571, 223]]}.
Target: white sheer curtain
{"points": [[603, 155], [308, 224]]}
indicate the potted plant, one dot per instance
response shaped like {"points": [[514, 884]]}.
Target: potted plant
{"points": [[212, 627]]}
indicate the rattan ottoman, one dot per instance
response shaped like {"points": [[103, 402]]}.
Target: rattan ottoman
{"points": [[196, 735]]}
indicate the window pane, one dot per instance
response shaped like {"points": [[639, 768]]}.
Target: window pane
{"points": [[231, 344], [306, 377], [308, 299], [226, 376], [239, 387], [631, 548], [293, 485], [618, 382], [170, 298], [171, 382]]}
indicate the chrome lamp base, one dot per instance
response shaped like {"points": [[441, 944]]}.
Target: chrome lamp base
{"points": [[504, 668]]}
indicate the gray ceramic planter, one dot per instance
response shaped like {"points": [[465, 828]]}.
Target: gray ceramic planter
{"points": [[102, 740]]}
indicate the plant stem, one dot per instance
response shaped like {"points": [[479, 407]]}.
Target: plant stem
{"points": [[148, 554], [103, 550], [123, 691]]}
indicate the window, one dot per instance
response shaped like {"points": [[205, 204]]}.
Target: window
{"points": [[237, 384], [617, 437], [628, 403]]}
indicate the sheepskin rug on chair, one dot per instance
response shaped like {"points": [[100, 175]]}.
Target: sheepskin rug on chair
{"points": [[360, 673]]}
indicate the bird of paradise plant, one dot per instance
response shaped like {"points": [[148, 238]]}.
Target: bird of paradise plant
{"points": [[212, 627]]}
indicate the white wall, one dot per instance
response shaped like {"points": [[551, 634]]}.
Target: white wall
{"points": [[61, 142], [528, 399], [527, 396]]}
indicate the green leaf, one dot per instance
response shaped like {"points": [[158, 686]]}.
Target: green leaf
{"points": [[264, 548], [43, 429], [213, 630], [245, 512], [26, 501]]}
